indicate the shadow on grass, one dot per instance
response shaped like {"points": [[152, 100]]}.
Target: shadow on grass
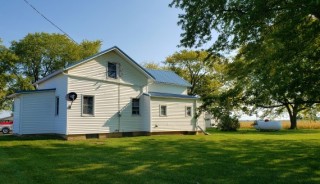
{"points": [[11, 137], [161, 159]]}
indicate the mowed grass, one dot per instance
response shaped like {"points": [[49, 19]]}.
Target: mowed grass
{"points": [[246, 156]]}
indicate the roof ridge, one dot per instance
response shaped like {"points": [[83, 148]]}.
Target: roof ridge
{"points": [[76, 63], [89, 57], [164, 70]]}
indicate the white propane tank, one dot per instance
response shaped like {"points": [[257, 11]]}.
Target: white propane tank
{"points": [[267, 125]]}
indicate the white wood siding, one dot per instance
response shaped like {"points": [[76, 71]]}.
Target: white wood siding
{"points": [[37, 115], [59, 82], [167, 88], [176, 119], [109, 99], [16, 116], [129, 122], [97, 69], [145, 111], [201, 119]]}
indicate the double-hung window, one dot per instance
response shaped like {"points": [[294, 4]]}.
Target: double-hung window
{"points": [[188, 111], [112, 70], [135, 106], [88, 105], [163, 110]]}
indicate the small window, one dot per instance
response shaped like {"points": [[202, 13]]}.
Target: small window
{"points": [[57, 106], [87, 105], [112, 70], [188, 111], [135, 106], [163, 110]]}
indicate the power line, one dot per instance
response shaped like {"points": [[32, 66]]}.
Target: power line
{"points": [[50, 21]]}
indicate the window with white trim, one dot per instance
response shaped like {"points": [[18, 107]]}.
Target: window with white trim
{"points": [[88, 105], [188, 111], [112, 70], [163, 110], [135, 106]]}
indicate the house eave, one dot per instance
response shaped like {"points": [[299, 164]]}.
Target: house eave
{"points": [[114, 48], [120, 52], [173, 84], [170, 95], [30, 91], [49, 76]]}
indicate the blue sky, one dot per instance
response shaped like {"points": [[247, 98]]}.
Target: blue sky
{"points": [[146, 30]]}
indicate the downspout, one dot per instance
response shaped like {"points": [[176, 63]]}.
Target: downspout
{"points": [[149, 108], [196, 119], [119, 113], [20, 114], [67, 109], [150, 115]]}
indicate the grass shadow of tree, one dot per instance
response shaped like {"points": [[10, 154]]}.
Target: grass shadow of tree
{"points": [[161, 159]]}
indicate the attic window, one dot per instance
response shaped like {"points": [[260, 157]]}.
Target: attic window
{"points": [[112, 70]]}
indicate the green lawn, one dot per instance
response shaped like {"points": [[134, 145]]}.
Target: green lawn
{"points": [[245, 156]]}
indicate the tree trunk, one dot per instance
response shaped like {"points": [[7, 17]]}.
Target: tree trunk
{"points": [[293, 112], [293, 122]]}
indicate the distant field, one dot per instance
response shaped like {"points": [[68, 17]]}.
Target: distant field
{"points": [[302, 124]]}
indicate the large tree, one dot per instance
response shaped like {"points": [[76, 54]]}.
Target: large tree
{"points": [[283, 81], [238, 22], [42, 53], [197, 67], [10, 80], [278, 62], [6, 65], [35, 56]]}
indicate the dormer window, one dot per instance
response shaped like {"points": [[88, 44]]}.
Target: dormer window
{"points": [[112, 70]]}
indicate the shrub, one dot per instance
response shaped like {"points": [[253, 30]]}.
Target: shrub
{"points": [[228, 123]]}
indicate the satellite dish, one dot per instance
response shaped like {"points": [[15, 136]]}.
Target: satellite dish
{"points": [[71, 96]]}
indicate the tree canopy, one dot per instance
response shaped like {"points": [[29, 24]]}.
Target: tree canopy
{"points": [[35, 56], [153, 65], [277, 44], [238, 22], [197, 67], [283, 81], [42, 53], [6, 64]]}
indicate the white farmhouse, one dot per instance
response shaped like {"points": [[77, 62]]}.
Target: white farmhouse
{"points": [[115, 97]]}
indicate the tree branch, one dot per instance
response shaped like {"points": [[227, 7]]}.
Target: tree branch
{"points": [[270, 106]]}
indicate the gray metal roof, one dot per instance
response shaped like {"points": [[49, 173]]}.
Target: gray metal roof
{"points": [[30, 91], [168, 77], [35, 91], [160, 76], [170, 95]]}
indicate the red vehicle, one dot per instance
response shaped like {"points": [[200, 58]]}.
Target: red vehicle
{"points": [[6, 126]]}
